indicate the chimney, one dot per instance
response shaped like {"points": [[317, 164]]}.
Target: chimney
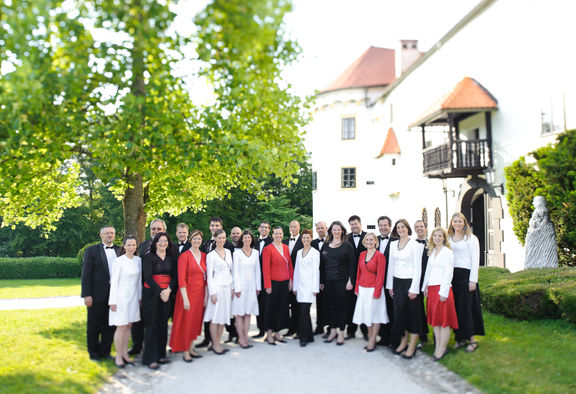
{"points": [[405, 55]]}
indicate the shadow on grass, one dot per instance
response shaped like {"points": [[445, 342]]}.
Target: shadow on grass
{"points": [[23, 382], [75, 333]]}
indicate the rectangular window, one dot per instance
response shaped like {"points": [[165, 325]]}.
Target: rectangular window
{"points": [[348, 128], [314, 180], [348, 178]]}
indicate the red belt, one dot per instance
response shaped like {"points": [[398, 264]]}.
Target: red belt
{"points": [[162, 280]]}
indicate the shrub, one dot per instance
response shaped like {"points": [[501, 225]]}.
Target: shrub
{"points": [[39, 268], [530, 294]]}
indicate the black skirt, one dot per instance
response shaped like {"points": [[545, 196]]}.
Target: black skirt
{"points": [[407, 312], [468, 306]]}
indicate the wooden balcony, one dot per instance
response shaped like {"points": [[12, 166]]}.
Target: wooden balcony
{"points": [[463, 158]]}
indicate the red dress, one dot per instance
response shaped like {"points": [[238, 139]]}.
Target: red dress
{"points": [[187, 325]]}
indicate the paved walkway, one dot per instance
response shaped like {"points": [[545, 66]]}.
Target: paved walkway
{"points": [[284, 368]]}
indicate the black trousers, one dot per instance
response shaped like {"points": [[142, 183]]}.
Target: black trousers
{"points": [[276, 306], [305, 324], [321, 315], [155, 315], [386, 329], [99, 335], [294, 313], [137, 331], [468, 308], [337, 302]]}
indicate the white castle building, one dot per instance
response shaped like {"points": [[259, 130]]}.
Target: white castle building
{"points": [[422, 135]]}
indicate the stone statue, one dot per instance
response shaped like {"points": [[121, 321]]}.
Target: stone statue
{"points": [[541, 248]]}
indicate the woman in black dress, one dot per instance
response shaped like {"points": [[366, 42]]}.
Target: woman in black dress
{"points": [[160, 279], [336, 271]]}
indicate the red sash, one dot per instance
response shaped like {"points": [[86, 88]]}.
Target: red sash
{"points": [[162, 280]]}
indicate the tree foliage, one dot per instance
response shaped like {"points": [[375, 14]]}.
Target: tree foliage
{"points": [[93, 82], [553, 176]]}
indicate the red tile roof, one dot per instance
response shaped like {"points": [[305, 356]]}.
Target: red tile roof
{"points": [[390, 144], [375, 67], [467, 95]]}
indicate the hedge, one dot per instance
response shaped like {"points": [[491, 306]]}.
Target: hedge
{"points": [[548, 293], [39, 267]]}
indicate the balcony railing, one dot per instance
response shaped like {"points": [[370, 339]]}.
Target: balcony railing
{"points": [[465, 158]]}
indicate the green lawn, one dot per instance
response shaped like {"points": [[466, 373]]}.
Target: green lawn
{"points": [[33, 288], [45, 351], [520, 357]]}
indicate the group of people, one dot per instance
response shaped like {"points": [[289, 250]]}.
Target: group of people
{"points": [[375, 282]]}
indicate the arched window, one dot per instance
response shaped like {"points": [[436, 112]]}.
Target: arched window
{"points": [[425, 216], [437, 218]]}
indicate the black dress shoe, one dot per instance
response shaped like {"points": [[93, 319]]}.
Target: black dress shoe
{"points": [[164, 361], [259, 335], [204, 343], [134, 351], [303, 343]]}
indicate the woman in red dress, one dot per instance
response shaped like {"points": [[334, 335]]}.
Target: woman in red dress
{"points": [[190, 300]]}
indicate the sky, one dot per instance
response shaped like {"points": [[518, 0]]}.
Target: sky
{"points": [[333, 33]]}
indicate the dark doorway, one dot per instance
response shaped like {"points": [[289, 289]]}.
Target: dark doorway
{"points": [[474, 208]]}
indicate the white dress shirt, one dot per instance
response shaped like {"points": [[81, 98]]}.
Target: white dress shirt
{"points": [[467, 255], [111, 258], [439, 271], [292, 241], [405, 263]]}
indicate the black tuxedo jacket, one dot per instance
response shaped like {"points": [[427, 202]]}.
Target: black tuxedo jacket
{"points": [[144, 248], [206, 246], [424, 261], [387, 255], [357, 250], [316, 243], [96, 274], [267, 241], [177, 253], [297, 246]]}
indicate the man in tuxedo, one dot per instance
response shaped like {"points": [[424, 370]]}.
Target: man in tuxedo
{"points": [[321, 313], [294, 243], [385, 227], [421, 234], [216, 223], [235, 235], [97, 268], [137, 330], [355, 237], [183, 245], [263, 240]]}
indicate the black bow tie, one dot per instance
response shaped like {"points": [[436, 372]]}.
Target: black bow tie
{"points": [[422, 241], [181, 243], [357, 235], [262, 239], [321, 239], [109, 247], [292, 239], [382, 238]]}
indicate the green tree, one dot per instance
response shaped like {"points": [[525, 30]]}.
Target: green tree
{"points": [[120, 106], [553, 176]]}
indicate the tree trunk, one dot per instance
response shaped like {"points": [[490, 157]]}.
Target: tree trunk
{"points": [[133, 204]]}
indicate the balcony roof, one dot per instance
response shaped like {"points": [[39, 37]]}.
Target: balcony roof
{"points": [[390, 144], [467, 97], [375, 67]]}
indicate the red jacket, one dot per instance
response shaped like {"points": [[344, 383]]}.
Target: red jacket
{"points": [[275, 266], [371, 274]]}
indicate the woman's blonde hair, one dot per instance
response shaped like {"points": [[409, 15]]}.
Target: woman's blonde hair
{"points": [[466, 229], [432, 245], [375, 239]]}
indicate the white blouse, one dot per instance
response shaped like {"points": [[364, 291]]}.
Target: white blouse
{"points": [[405, 263], [307, 275], [439, 271], [218, 270], [467, 255]]}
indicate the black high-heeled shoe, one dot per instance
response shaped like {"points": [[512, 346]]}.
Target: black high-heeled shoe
{"points": [[218, 353], [120, 366], [187, 360], [128, 362], [398, 352]]}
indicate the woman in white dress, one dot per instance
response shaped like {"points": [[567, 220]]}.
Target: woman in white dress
{"points": [[306, 284], [125, 297], [247, 286], [403, 284], [465, 282], [220, 284]]}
